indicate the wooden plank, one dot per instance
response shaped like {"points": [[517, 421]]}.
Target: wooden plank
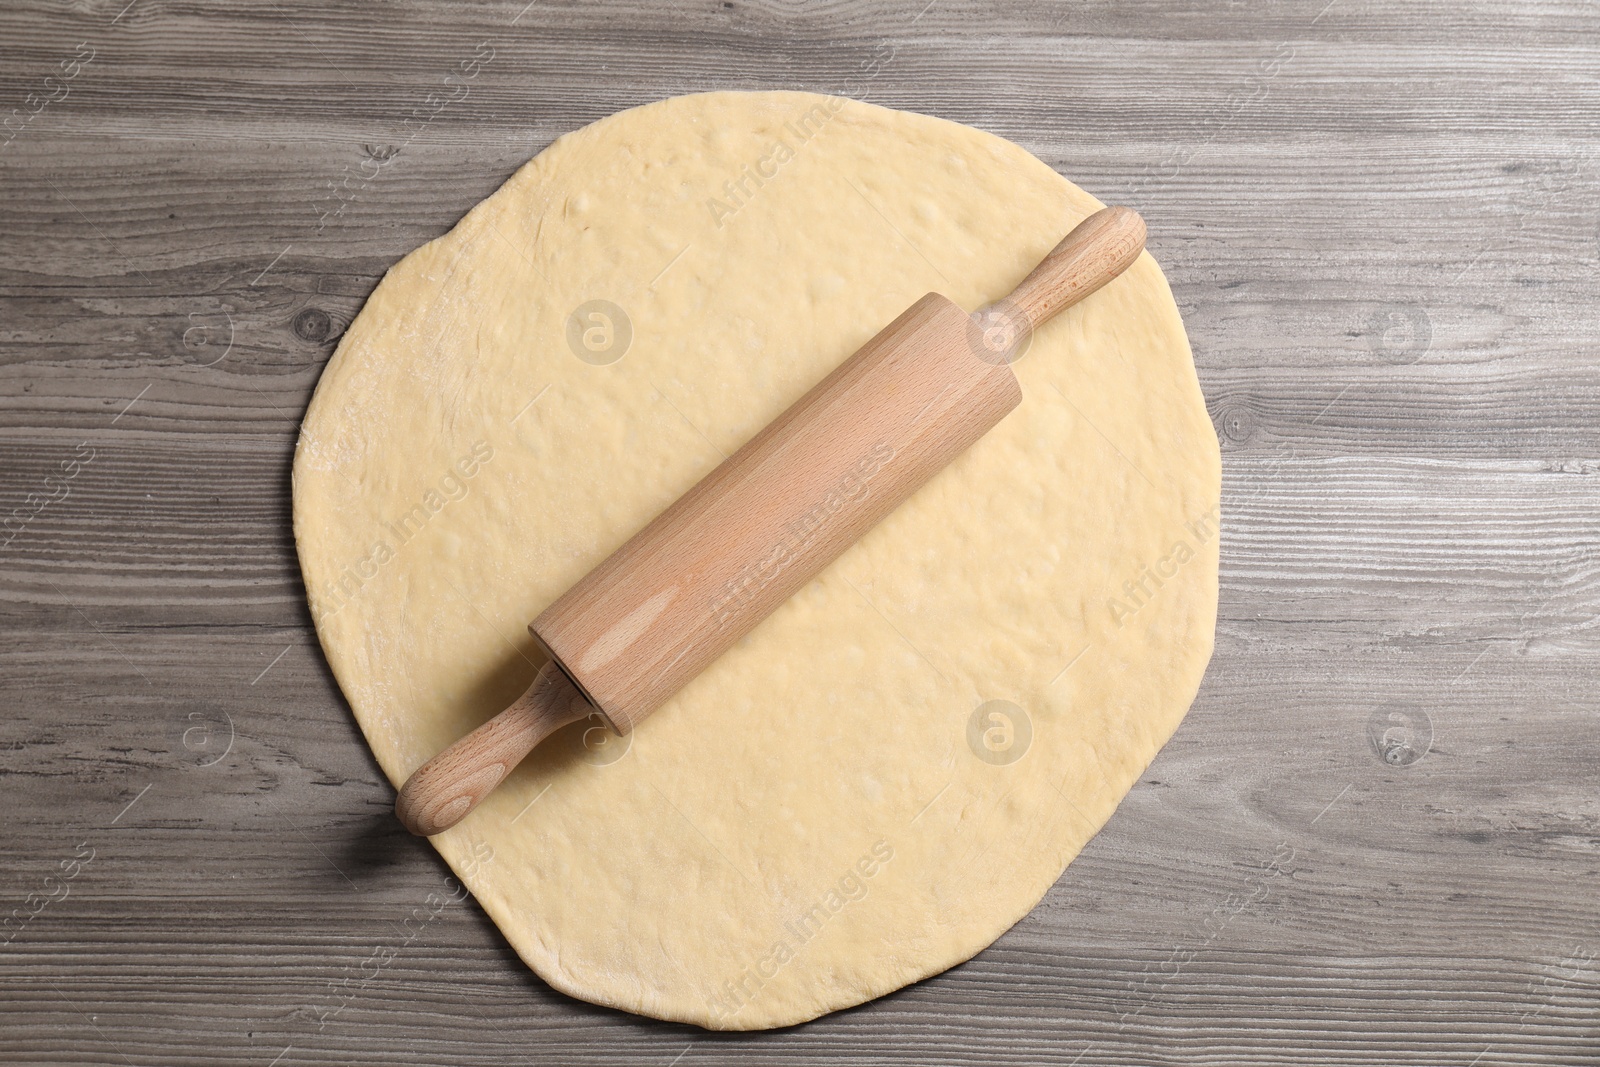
{"points": [[1380, 223]]}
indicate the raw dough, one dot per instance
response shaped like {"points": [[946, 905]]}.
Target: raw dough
{"points": [[895, 767]]}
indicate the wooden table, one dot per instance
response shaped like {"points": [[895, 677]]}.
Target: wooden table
{"points": [[1375, 839]]}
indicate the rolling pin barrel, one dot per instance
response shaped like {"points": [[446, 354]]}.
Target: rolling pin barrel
{"points": [[775, 513], [707, 570]]}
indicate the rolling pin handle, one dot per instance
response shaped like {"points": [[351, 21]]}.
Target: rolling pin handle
{"points": [[444, 790], [1098, 249]]}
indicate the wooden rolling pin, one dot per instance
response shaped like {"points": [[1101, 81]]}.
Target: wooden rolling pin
{"points": [[655, 613]]}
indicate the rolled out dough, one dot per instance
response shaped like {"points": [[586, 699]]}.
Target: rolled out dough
{"points": [[896, 766]]}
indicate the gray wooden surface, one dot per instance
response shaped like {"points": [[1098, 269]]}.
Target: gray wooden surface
{"points": [[1381, 222]]}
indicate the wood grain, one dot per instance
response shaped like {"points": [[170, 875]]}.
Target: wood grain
{"points": [[1098, 249], [1381, 224]]}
